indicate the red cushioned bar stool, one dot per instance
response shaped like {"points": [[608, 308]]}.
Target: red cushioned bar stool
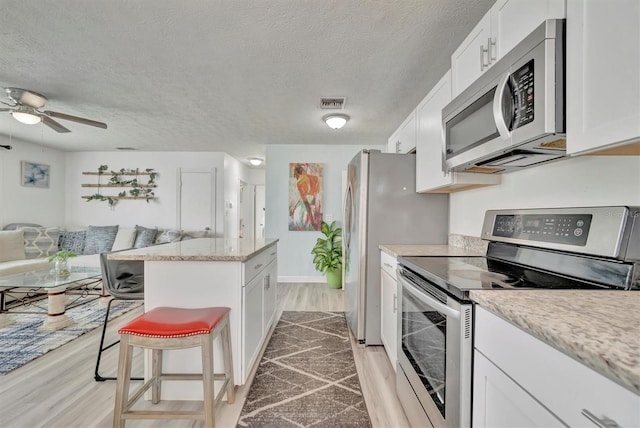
{"points": [[167, 328]]}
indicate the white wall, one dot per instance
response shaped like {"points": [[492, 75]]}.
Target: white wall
{"points": [[294, 257], [575, 182], [157, 213], [45, 206]]}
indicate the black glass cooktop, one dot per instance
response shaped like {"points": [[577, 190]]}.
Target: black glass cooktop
{"points": [[458, 275]]}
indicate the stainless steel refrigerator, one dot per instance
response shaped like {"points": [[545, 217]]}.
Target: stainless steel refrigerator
{"points": [[382, 207]]}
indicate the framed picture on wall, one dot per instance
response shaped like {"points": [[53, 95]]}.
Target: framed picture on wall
{"points": [[305, 196], [35, 174]]}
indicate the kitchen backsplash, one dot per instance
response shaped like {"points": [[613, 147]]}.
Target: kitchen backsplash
{"points": [[468, 242]]}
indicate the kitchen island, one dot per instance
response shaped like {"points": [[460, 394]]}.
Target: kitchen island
{"points": [[238, 273]]}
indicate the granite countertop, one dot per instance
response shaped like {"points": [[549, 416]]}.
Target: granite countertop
{"points": [[398, 250], [600, 328], [201, 249]]}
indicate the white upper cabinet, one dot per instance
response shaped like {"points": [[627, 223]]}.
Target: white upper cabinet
{"points": [[603, 75], [429, 147], [404, 139], [471, 59], [513, 20], [502, 27]]}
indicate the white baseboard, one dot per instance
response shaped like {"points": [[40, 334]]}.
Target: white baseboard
{"points": [[314, 279]]}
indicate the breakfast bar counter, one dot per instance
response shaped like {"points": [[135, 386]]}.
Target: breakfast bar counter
{"points": [[237, 273], [201, 249]]}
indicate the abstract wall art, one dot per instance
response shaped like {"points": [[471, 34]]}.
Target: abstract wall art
{"points": [[305, 196], [35, 174]]}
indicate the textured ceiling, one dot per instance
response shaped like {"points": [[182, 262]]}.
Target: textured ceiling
{"points": [[226, 75]]}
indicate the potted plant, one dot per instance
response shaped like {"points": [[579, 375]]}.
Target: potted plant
{"points": [[61, 267], [327, 254]]}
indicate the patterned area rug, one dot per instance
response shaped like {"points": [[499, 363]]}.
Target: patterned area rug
{"points": [[307, 376], [22, 341]]}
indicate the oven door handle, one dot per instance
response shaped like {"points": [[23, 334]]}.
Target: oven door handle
{"points": [[428, 300]]}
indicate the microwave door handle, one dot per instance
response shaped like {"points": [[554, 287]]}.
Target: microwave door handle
{"points": [[498, 108], [427, 300]]}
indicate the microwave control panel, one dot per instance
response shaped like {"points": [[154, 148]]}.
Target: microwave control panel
{"points": [[572, 229], [521, 86]]}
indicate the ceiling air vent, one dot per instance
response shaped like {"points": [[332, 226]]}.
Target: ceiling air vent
{"points": [[335, 103]]}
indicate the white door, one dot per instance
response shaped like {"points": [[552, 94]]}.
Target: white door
{"points": [[196, 199], [260, 211], [246, 212]]}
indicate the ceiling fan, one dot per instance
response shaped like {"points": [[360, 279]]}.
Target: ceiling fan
{"points": [[25, 107]]}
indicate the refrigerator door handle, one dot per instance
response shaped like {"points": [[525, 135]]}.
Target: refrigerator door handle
{"points": [[348, 208]]}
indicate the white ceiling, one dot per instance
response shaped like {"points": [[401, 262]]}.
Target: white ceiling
{"points": [[226, 75]]}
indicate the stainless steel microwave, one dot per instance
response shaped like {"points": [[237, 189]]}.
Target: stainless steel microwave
{"points": [[513, 116]]}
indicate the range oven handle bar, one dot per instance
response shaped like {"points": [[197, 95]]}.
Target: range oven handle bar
{"points": [[428, 300]]}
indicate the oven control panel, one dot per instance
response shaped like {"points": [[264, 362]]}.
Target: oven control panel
{"points": [[571, 229]]}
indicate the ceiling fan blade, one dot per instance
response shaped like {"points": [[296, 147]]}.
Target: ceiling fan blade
{"points": [[76, 119], [53, 124]]}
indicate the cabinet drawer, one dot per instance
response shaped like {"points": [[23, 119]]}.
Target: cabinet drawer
{"points": [[388, 263], [563, 385], [254, 265], [270, 254]]}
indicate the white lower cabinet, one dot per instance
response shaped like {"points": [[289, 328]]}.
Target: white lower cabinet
{"points": [[269, 285], [519, 380], [500, 402], [389, 306], [252, 323], [258, 304]]}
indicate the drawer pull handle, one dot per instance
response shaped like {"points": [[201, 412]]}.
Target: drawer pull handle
{"points": [[388, 265], [273, 254], [603, 422], [258, 266]]}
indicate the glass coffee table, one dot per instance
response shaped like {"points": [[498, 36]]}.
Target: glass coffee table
{"points": [[31, 285]]}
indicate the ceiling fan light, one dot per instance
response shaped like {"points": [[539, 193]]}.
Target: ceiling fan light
{"points": [[27, 118], [336, 121], [255, 161]]}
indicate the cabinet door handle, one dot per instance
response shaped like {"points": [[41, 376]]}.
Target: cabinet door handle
{"points": [[258, 266], [491, 50], [274, 253], [603, 422], [388, 265], [483, 51], [398, 146], [267, 281], [395, 303]]}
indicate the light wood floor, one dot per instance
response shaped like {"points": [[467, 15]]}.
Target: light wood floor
{"points": [[58, 390]]}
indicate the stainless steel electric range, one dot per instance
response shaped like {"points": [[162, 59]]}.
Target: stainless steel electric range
{"points": [[560, 248]]}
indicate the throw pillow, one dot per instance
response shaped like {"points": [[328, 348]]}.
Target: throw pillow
{"points": [[72, 241], [194, 234], [144, 237], [99, 239], [11, 245], [40, 241], [124, 239], [169, 235]]}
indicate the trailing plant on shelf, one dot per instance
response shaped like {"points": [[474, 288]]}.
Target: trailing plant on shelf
{"points": [[327, 254], [138, 190]]}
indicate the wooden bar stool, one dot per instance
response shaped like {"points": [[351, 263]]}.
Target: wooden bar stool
{"points": [[174, 328]]}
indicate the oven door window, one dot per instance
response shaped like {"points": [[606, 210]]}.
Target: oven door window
{"points": [[424, 338]]}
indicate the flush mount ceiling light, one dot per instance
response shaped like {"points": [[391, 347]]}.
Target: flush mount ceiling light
{"points": [[336, 120], [25, 115], [255, 161]]}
